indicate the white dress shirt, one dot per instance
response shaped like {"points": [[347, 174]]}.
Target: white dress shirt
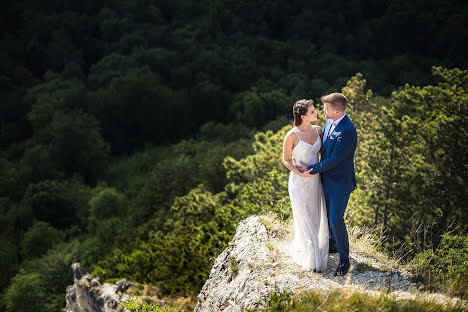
{"points": [[335, 124]]}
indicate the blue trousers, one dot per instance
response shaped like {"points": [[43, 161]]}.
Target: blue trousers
{"points": [[336, 206]]}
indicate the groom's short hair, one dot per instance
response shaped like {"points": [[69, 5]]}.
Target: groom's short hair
{"points": [[336, 100]]}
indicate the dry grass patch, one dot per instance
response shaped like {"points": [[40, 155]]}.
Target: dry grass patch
{"points": [[275, 226]]}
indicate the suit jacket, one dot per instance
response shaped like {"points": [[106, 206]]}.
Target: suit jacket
{"points": [[337, 158]]}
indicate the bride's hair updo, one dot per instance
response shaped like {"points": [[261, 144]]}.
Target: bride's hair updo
{"points": [[299, 109]]}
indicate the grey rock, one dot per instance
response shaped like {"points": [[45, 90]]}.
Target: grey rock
{"points": [[90, 294], [122, 286], [78, 270], [257, 262]]}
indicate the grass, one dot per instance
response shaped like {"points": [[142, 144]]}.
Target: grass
{"points": [[345, 300], [234, 265], [364, 267], [362, 240], [442, 270], [275, 227], [366, 243], [135, 305], [149, 294]]}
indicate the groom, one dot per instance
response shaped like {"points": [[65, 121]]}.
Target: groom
{"points": [[337, 169]]}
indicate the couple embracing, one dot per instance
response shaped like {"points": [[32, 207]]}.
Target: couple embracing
{"points": [[319, 190]]}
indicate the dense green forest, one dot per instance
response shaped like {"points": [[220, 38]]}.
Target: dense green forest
{"points": [[135, 135]]}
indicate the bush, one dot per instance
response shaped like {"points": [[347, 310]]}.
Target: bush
{"points": [[39, 238], [107, 203], [135, 305], [344, 300], [445, 267], [26, 294], [41, 282], [60, 203], [75, 143], [8, 262]]}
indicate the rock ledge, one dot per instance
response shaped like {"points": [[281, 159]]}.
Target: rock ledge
{"points": [[257, 261]]}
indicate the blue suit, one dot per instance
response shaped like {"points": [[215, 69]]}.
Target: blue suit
{"points": [[338, 178]]}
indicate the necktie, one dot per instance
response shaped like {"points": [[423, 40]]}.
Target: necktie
{"points": [[331, 129]]}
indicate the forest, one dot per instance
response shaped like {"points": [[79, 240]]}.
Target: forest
{"points": [[135, 135]]}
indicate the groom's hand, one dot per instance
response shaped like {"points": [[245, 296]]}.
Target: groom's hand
{"points": [[301, 167], [307, 174]]}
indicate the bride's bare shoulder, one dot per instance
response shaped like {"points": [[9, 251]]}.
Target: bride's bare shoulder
{"points": [[291, 132], [319, 130], [290, 135]]}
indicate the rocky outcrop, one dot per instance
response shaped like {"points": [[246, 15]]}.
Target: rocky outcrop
{"points": [[257, 261], [90, 294]]}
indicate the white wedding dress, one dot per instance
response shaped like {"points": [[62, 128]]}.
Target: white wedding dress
{"points": [[309, 248]]}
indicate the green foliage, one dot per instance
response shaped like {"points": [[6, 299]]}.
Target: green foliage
{"points": [[37, 164], [245, 108], [410, 161], [9, 179], [55, 266], [50, 96], [8, 262], [41, 282], [432, 122], [277, 300], [198, 229], [135, 305], [106, 203], [223, 132], [207, 54], [162, 215], [26, 294], [43, 111], [234, 266], [76, 145], [178, 251], [344, 300], [446, 266], [42, 201], [182, 168], [39, 238], [210, 101], [58, 203]]}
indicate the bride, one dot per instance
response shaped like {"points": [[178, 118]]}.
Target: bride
{"points": [[302, 143]]}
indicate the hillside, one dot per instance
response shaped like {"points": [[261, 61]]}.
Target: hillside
{"points": [[256, 264], [255, 270], [163, 215]]}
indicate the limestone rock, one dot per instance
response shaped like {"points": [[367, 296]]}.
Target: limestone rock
{"points": [[90, 294], [257, 261]]}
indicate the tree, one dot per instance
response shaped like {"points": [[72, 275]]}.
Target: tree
{"points": [[37, 164], [106, 203], [410, 159], [26, 294], [38, 239], [76, 145], [60, 203], [8, 262], [107, 221], [246, 108]]}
